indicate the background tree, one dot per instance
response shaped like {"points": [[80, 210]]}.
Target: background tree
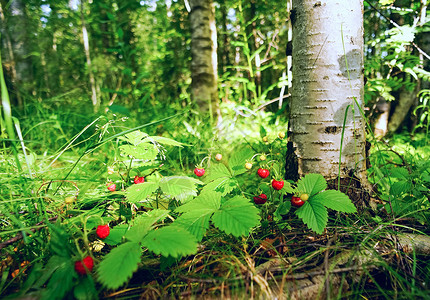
{"points": [[204, 86]]}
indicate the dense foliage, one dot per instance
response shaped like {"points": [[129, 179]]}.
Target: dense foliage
{"points": [[113, 182]]}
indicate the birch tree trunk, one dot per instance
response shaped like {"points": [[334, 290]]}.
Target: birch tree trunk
{"points": [[204, 88], [85, 38], [327, 89]]}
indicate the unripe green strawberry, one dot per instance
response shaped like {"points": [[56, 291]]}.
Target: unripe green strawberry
{"points": [[69, 200], [248, 166], [281, 135], [304, 197], [218, 157]]}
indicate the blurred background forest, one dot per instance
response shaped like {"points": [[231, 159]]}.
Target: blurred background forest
{"points": [[81, 75], [67, 61]]}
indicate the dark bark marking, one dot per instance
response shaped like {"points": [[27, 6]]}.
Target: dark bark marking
{"points": [[291, 163], [331, 129]]}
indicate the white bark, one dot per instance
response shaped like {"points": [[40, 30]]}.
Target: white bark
{"points": [[328, 79], [88, 57], [204, 89]]}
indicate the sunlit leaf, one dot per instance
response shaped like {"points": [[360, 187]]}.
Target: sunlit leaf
{"points": [[314, 215], [311, 184], [119, 265], [171, 240], [335, 200], [140, 192], [236, 216], [180, 187]]}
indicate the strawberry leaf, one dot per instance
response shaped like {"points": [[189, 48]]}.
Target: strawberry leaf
{"points": [[311, 184], [196, 222], [236, 216], [116, 234], [170, 241], [314, 215], [198, 212], [145, 151], [238, 159], [140, 192], [209, 201], [163, 140], [223, 185], [118, 266], [142, 224], [335, 200], [182, 188], [216, 171], [61, 280], [134, 137]]}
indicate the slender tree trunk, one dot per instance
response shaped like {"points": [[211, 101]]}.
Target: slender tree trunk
{"points": [[225, 53], [204, 88], [10, 57], [17, 43], [327, 91], [88, 56]]}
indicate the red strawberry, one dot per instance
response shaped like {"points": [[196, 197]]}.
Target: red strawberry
{"points": [[138, 179], [86, 262], [103, 231], [111, 186], [277, 184], [296, 201], [260, 199], [263, 173], [199, 171]]}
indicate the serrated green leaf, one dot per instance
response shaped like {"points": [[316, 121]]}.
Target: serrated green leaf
{"points": [[400, 173], [116, 234], [283, 209], [216, 171], [140, 192], [238, 159], [182, 188], [85, 289], [286, 189], [61, 280], [264, 188], [400, 187], [163, 141], [171, 240], [134, 137], [198, 212], [236, 216], [314, 215], [145, 151], [142, 224], [222, 185], [263, 131], [334, 200], [311, 184], [196, 222], [118, 266], [207, 201]]}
